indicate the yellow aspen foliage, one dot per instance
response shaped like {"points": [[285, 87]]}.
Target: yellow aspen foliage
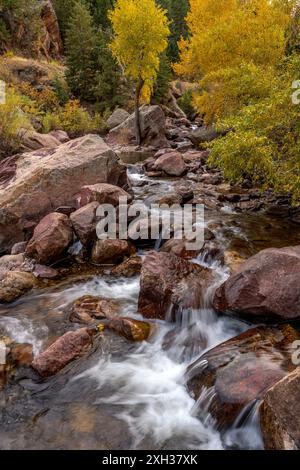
{"points": [[225, 33], [241, 54], [141, 30]]}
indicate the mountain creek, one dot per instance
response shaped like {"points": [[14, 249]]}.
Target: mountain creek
{"points": [[123, 394]]}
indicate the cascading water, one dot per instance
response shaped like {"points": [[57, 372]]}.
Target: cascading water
{"points": [[150, 383], [146, 385]]}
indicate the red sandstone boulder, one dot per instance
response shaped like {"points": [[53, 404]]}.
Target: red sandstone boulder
{"points": [[111, 251], [64, 350], [169, 283], [280, 414], [241, 370], [153, 128], [84, 222], [266, 286], [102, 193], [51, 238], [171, 163]]}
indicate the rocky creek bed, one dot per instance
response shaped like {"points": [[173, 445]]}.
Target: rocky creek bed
{"points": [[121, 345]]}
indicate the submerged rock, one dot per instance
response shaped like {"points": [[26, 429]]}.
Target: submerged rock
{"points": [[87, 308], [265, 287], [233, 260], [16, 355], [241, 370], [65, 349], [51, 238], [169, 283]]}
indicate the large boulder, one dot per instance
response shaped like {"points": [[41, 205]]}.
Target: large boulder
{"points": [[171, 163], [280, 414], [153, 129], [202, 135], [102, 193], [51, 237], [241, 370], [39, 182], [32, 140], [111, 251], [117, 117], [64, 350], [265, 287], [84, 222], [169, 283]]}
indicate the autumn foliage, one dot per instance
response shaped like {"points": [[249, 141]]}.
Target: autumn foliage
{"points": [[241, 54], [141, 30]]}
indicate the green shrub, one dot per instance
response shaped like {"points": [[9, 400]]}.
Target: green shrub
{"points": [[185, 102], [265, 142], [73, 119], [12, 121]]}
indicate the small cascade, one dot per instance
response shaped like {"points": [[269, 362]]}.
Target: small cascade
{"points": [[245, 432]]}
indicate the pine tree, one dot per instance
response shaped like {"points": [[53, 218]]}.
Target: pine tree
{"points": [[162, 84], [109, 89], [63, 9], [177, 12], [81, 42], [99, 11]]}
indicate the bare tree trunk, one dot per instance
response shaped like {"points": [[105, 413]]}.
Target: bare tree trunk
{"points": [[138, 131]]}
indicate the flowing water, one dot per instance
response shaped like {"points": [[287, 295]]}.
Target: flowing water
{"points": [[125, 395]]}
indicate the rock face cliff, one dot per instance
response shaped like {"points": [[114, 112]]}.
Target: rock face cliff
{"points": [[31, 29], [51, 43]]}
